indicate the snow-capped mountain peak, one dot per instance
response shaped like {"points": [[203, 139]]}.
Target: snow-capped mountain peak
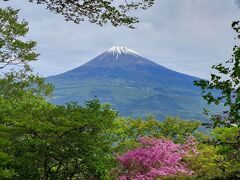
{"points": [[118, 56], [122, 50]]}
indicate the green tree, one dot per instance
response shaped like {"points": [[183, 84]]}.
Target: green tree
{"points": [[39, 140], [17, 83], [218, 155], [206, 163], [46, 141], [97, 11], [177, 129], [127, 131], [227, 82], [14, 50], [227, 139]]}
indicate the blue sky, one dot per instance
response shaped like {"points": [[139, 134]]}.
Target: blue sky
{"points": [[184, 35]]}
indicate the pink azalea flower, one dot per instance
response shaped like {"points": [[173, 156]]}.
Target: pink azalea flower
{"points": [[156, 158]]}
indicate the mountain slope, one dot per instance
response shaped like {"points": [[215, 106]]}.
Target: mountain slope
{"points": [[134, 85]]}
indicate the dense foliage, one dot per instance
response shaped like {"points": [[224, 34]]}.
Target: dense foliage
{"points": [[97, 11], [56, 142], [39, 140], [218, 155], [127, 131]]}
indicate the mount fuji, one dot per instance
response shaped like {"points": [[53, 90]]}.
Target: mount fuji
{"points": [[133, 84]]}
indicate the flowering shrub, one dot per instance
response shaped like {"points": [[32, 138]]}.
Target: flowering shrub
{"points": [[156, 158]]}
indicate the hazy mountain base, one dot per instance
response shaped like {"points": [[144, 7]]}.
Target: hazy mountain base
{"points": [[132, 99]]}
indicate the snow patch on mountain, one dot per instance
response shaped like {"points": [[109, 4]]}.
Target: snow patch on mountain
{"points": [[122, 50]]}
